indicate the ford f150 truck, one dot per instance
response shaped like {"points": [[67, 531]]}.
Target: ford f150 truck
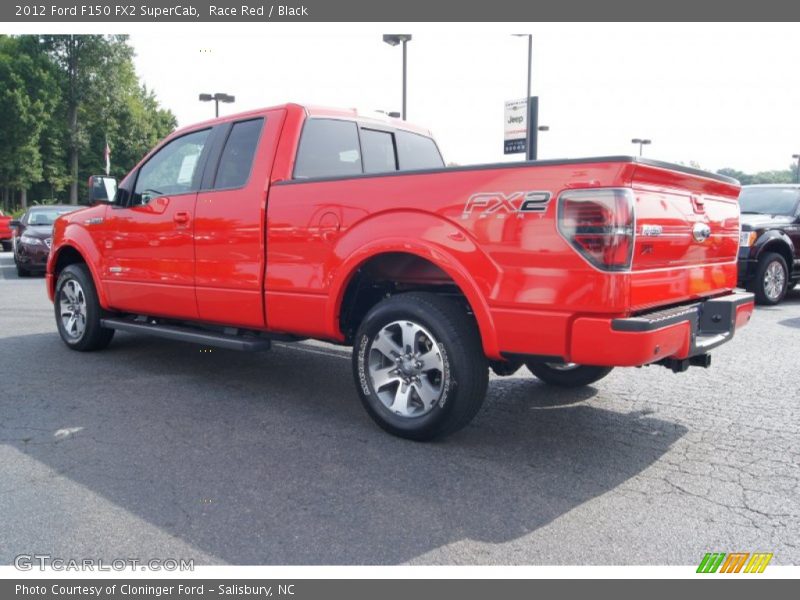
{"points": [[296, 222], [6, 235]]}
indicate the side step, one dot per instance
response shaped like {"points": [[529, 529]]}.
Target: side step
{"points": [[232, 341]]}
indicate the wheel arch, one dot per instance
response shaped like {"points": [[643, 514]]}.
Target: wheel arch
{"points": [[435, 242], [71, 253], [778, 242]]}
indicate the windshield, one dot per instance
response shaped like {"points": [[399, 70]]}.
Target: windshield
{"points": [[769, 201], [47, 216]]}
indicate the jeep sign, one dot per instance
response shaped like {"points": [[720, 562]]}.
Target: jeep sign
{"points": [[515, 126]]}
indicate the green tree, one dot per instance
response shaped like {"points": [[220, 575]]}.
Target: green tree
{"points": [[104, 103], [64, 98], [29, 96], [778, 176], [83, 62]]}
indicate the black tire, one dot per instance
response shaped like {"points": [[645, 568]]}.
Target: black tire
{"points": [[460, 377], [759, 285], [505, 368], [21, 271], [7, 246], [93, 336], [570, 377]]}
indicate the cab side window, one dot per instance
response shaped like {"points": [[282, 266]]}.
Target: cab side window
{"points": [[237, 157], [379, 151], [417, 152], [328, 148], [172, 170]]}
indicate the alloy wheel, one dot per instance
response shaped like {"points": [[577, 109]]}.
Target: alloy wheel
{"points": [[406, 368], [73, 309]]}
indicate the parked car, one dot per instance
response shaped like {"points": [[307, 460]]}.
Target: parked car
{"points": [[33, 237], [769, 247], [297, 222], [6, 234]]}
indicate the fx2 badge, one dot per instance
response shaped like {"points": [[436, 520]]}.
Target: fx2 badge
{"points": [[500, 205]]}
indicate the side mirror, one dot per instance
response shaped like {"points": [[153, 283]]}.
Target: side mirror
{"points": [[102, 189], [13, 223]]}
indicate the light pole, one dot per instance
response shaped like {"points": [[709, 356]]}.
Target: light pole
{"points": [[217, 98], [642, 142], [393, 39], [797, 171], [528, 136]]}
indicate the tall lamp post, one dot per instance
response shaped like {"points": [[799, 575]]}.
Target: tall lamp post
{"points": [[530, 132], [393, 39], [642, 142], [217, 98], [797, 170]]}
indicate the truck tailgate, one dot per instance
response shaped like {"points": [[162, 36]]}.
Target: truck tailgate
{"points": [[687, 236]]}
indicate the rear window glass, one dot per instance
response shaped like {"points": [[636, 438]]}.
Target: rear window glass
{"points": [[378, 148], [237, 157], [328, 148], [417, 152]]}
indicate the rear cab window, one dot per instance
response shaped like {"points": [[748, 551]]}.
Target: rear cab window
{"points": [[380, 155], [417, 152], [328, 148], [340, 148]]}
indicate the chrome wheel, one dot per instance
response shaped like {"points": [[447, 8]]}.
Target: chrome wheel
{"points": [[406, 368], [72, 302], [774, 280]]}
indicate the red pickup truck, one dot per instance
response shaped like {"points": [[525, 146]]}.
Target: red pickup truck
{"points": [[6, 234], [296, 222]]}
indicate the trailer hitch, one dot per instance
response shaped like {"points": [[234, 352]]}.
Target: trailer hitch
{"points": [[679, 365]]}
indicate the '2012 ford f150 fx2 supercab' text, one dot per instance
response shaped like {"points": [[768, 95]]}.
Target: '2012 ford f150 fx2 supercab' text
{"points": [[296, 222]]}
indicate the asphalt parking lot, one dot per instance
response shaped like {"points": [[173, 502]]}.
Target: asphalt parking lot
{"points": [[154, 449]]}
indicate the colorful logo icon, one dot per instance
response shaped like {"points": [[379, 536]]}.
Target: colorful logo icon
{"points": [[736, 562]]}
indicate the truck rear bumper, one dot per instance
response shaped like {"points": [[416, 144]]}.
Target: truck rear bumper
{"points": [[674, 333]]}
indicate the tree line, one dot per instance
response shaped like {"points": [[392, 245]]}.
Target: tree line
{"points": [[63, 98], [790, 175]]}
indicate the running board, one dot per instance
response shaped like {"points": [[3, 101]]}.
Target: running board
{"points": [[191, 335]]}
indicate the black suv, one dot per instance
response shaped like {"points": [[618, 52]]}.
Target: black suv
{"points": [[769, 245]]}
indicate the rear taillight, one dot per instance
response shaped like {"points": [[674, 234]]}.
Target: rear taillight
{"points": [[599, 224]]}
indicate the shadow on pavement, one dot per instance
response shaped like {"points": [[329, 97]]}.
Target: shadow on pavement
{"points": [[270, 459]]}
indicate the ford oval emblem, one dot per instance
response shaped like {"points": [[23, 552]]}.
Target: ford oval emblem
{"points": [[701, 232]]}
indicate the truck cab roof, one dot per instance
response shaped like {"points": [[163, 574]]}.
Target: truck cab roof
{"points": [[366, 117]]}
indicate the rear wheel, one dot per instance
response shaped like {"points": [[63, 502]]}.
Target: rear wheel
{"points": [[771, 281], [78, 310], [567, 374], [419, 366]]}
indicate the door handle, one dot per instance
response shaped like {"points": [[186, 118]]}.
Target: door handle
{"points": [[181, 217]]}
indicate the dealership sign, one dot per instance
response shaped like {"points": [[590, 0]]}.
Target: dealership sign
{"points": [[515, 126]]}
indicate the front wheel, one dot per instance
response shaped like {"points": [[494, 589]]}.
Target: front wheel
{"points": [[567, 374], [78, 310], [419, 366], [771, 281]]}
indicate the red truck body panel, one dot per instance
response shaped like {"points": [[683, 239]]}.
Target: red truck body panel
{"points": [[278, 254], [6, 234]]}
